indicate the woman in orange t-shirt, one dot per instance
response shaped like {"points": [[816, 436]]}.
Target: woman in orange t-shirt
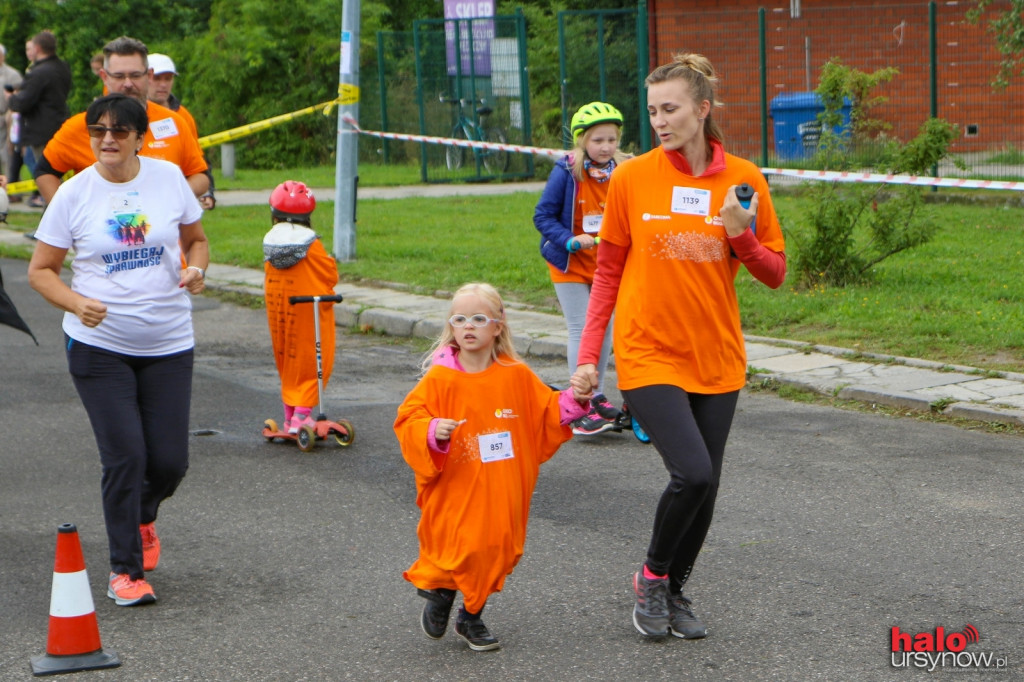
{"points": [[673, 237]]}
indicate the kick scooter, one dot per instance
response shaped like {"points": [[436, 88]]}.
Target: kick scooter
{"points": [[307, 436], [625, 422]]}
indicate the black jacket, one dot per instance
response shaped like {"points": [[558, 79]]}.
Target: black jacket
{"points": [[42, 100]]}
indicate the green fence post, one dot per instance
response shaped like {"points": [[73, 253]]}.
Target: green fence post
{"points": [[933, 74], [600, 58], [419, 89], [382, 88], [643, 66], [524, 88], [563, 80], [764, 87]]}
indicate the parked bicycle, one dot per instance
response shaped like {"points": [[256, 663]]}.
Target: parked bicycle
{"points": [[475, 129]]}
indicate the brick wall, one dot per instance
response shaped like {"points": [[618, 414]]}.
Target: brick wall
{"points": [[865, 34]]}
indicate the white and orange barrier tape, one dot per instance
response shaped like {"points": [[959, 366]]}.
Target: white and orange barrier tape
{"points": [[850, 176], [839, 176], [349, 94], [453, 142]]}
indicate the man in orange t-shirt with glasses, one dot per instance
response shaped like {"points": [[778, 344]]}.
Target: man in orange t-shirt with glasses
{"points": [[169, 137]]}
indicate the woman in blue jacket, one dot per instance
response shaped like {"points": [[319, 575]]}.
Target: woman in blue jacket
{"points": [[568, 217]]}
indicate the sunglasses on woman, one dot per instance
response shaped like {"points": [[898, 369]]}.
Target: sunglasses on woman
{"points": [[100, 132]]}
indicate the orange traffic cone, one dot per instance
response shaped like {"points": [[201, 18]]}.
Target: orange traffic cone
{"points": [[74, 639]]}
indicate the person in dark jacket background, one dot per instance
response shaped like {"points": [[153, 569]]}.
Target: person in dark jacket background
{"points": [[42, 99]]}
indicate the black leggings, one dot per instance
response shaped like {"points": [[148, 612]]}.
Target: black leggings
{"points": [[139, 410], [689, 431]]}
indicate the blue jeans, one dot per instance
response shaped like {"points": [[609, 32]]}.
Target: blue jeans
{"points": [[139, 410]]}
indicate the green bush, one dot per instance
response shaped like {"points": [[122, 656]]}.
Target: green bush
{"points": [[852, 227]]}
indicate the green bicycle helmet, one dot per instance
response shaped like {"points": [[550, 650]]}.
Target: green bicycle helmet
{"points": [[590, 115]]}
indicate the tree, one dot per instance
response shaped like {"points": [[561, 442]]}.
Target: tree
{"points": [[83, 28], [1008, 28], [260, 59], [852, 227]]}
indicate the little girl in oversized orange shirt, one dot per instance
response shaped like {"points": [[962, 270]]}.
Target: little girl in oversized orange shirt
{"points": [[475, 430]]}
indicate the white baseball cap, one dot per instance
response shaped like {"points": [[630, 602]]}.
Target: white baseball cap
{"points": [[161, 63]]}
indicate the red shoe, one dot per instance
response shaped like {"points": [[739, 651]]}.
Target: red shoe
{"points": [[127, 592], [150, 546]]}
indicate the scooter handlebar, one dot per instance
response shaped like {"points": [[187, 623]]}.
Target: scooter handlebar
{"points": [[332, 298]]}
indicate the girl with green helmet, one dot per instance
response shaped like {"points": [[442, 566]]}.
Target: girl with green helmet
{"points": [[568, 217]]}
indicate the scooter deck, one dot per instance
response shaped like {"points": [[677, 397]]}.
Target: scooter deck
{"points": [[342, 431]]}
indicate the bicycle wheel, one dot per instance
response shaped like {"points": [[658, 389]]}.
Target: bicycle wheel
{"points": [[455, 156], [496, 160]]}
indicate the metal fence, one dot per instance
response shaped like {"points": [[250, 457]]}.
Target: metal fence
{"points": [[600, 53], [769, 61], [464, 79]]}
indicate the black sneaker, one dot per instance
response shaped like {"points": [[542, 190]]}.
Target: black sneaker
{"points": [[650, 613], [592, 424], [476, 634], [436, 611], [681, 619], [605, 408]]}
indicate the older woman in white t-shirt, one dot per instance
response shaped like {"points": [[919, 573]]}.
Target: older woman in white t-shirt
{"points": [[139, 250]]}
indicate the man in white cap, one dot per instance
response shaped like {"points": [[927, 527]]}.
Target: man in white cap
{"points": [[160, 86]]}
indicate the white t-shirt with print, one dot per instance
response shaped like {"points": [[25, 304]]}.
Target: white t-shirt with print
{"points": [[125, 239]]}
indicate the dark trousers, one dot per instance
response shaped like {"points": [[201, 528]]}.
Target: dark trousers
{"points": [[689, 431], [139, 410]]}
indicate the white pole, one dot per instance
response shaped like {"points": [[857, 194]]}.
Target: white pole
{"points": [[346, 172]]}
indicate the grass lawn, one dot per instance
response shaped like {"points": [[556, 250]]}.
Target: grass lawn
{"points": [[370, 175], [958, 299]]}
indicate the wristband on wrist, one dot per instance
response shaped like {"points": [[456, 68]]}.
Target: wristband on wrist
{"points": [[202, 273]]}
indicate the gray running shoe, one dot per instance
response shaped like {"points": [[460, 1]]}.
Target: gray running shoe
{"points": [[681, 619], [650, 613]]}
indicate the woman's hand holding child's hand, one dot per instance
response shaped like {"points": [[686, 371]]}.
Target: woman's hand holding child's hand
{"points": [[581, 388]]}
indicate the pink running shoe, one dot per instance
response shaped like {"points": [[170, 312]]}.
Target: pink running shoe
{"points": [[127, 592], [299, 420], [150, 546]]}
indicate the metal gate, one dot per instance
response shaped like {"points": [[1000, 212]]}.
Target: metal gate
{"points": [[603, 56]]}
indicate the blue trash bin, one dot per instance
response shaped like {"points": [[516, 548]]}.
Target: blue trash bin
{"points": [[797, 128]]}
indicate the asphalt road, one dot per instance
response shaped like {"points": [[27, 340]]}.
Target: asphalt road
{"points": [[832, 528]]}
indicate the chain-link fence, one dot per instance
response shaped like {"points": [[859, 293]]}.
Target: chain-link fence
{"points": [[463, 79], [599, 61], [769, 60]]}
